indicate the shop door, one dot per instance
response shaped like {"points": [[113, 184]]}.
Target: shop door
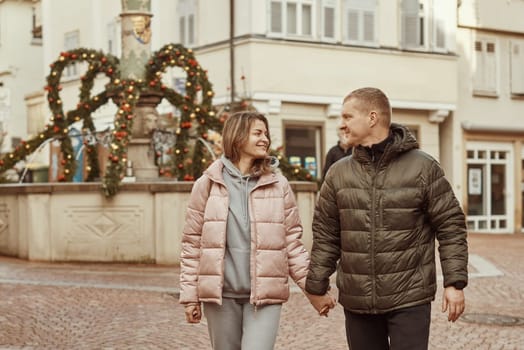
{"points": [[490, 179]]}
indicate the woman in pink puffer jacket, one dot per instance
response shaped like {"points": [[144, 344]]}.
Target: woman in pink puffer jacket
{"points": [[241, 242]]}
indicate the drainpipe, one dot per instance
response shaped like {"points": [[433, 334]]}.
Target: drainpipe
{"points": [[232, 47]]}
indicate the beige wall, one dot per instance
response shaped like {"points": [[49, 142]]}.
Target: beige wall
{"points": [[489, 14]]}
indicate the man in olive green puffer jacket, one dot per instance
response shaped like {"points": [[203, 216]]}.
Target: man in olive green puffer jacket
{"points": [[376, 221]]}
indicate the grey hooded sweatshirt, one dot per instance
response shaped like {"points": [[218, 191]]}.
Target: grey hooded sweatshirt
{"points": [[237, 278], [238, 233]]}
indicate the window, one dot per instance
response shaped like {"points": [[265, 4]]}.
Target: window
{"points": [[303, 145], [424, 25], [413, 24], [71, 42], [186, 22], [517, 67], [114, 37], [485, 67], [295, 17], [37, 25], [360, 22], [329, 20], [489, 178]]}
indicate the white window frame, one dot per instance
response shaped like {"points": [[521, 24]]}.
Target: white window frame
{"points": [[359, 9], [298, 20], [334, 6], [517, 67], [485, 66], [186, 22]]}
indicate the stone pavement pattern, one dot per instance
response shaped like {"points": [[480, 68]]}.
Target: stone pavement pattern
{"points": [[124, 306]]}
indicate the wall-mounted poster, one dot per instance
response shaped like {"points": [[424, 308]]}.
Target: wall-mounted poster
{"points": [[474, 181], [295, 161], [310, 163]]}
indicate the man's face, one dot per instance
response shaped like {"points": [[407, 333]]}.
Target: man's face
{"points": [[356, 123]]}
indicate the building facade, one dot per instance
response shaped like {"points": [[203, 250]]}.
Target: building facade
{"points": [[21, 68], [448, 66], [485, 137]]}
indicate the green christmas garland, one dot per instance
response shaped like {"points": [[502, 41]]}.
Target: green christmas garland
{"points": [[197, 113]]}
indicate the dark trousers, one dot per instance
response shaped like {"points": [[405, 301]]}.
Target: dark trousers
{"points": [[403, 329]]}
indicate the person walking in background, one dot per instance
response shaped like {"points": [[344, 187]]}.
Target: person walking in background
{"points": [[241, 242], [339, 151], [376, 220]]}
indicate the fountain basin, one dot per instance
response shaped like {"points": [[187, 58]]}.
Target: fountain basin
{"points": [[76, 222]]}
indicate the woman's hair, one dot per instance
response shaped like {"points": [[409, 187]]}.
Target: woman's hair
{"points": [[235, 135]]}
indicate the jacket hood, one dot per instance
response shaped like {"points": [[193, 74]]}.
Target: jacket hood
{"points": [[403, 141], [232, 170], [214, 171]]}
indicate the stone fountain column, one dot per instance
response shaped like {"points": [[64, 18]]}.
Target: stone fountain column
{"points": [[136, 50]]}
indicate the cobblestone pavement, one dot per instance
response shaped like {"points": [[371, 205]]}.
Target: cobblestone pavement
{"points": [[123, 306]]}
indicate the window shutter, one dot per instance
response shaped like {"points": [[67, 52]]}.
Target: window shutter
{"points": [[191, 29], [276, 17], [353, 25], [478, 77], [328, 18], [369, 26], [411, 23], [307, 17], [491, 67], [182, 30], [439, 12], [440, 34], [291, 16], [517, 67]]}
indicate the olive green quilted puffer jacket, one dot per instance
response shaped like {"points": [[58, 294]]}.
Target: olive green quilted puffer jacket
{"points": [[376, 223]]}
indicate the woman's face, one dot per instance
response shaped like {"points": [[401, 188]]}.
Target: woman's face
{"points": [[257, 143]]}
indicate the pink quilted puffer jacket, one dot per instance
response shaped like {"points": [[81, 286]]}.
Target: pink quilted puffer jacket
{"points": [[277, 251]]}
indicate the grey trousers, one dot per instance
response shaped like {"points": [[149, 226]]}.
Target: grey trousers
{"points": [[235, 325]]}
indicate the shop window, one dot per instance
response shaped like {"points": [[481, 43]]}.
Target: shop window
{"points": [[303, 147]]}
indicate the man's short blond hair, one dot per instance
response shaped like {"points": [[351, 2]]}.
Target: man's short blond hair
{"points": [[370, 99]]}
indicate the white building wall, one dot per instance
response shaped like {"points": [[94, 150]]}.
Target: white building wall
{"points": [[20, 69], [488, 117], [278, 72]]}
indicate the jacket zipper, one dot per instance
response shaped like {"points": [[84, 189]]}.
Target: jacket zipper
{"points": [[254, 234], [372, 233]]}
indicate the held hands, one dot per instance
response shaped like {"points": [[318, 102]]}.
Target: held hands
{"points": [[322, 303], [453, 299], [193, 312]]}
